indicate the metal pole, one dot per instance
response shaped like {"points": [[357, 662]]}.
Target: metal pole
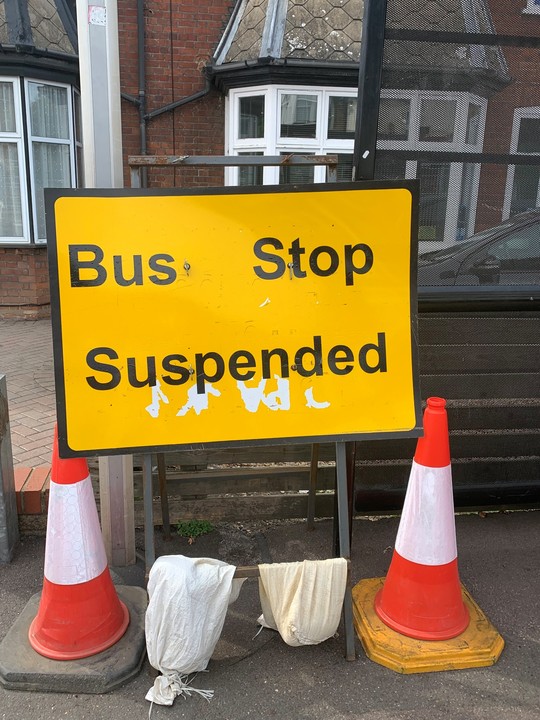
{"points": [[344, 543], [369, 89], [314, 466], [162, 476], [99, 69]]}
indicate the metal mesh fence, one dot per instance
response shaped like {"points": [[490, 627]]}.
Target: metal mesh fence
{"points": [[460, 112]]}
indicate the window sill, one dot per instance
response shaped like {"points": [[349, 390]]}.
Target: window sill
{"points": [[22, 246]]}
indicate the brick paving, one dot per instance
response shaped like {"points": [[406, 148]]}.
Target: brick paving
{"points": [[26, 359]]}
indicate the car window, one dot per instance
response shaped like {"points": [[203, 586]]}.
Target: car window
{"points": [[443, 253], [512, 260], [520, 249]]}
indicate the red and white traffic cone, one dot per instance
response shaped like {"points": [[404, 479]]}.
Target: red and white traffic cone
{"points": [[79, 612], [421, 596]]}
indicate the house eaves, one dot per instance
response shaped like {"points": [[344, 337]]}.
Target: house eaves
{"points": [[285, 40], [38, 37]]}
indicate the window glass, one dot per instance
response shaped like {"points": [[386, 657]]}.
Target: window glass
{"points": [[79, 164], [51, 169], [437, 119], [393, 119], [296, 174], [464, 220], [250, 174], [529, 135], [473, 124], [49, 114], [341, 118], [344, 169], [7, 108], [434, 180], [11, 220], [251, 117], [298, 115], [525, 190], [36, 152]]}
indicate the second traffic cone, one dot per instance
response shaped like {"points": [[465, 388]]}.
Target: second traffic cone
{"points": [[421, 596], [79, 612]]}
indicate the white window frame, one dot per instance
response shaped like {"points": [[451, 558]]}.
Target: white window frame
{"points": [[533, 8], [77, 134], [458, 144], [70, 142], [23, 138], [519, 115], [17, 138], [272, 144]]}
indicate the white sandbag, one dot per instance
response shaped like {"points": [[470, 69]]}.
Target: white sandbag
{"points": [[188, 601], [303, 600]]}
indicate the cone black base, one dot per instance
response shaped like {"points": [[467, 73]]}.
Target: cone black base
{"points": [[22, 668]]}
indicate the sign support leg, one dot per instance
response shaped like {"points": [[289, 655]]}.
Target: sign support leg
{"points": [[344, 543], [312, 486], [162, 475], [149, 547]]}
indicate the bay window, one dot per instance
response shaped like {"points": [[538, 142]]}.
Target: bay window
{"points": [[273, 120], [38, 146], [431, 121], [523, 181]]}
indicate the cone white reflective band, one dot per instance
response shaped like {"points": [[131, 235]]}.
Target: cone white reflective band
{"points": [[427, 531], [74, 549]]}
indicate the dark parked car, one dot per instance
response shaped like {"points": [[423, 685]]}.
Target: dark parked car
{"points": [[499, 264]]}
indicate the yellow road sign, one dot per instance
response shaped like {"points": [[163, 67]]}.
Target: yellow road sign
{"points": [[183, 318]]}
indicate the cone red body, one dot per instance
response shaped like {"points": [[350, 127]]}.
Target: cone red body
{"points": [[422, 596], [79, 612]]}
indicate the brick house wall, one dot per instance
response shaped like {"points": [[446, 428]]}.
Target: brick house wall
{"points": [[180, 39], [523, 91], [24, 283]]}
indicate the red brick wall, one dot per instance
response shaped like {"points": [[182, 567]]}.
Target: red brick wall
{"points": [[509, 18], [24, 283], [523, 91], [180, 38]]}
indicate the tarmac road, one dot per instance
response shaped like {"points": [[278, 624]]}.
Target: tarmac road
{"points": [[261, 677]]}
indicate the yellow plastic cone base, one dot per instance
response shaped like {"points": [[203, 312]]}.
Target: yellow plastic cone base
{"points": [[479, 645]]}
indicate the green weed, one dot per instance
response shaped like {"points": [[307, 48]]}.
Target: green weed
{"points": [[193, 529]]}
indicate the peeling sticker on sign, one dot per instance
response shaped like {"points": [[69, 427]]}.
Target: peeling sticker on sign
{"points": [[312, 403], [157, 397], [198, 401], [252, 397]]}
